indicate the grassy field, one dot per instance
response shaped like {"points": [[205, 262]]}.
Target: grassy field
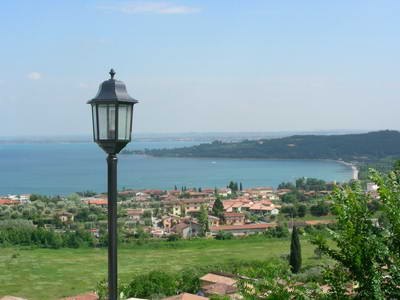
{"points": [[41, 274]]}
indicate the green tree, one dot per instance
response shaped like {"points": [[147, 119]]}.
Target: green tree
{"points": [[74, 197], [300, 183], [396, 166], [218, 208], [301, 210], [233, 186], [289, 211], [286, 185], [222, 235], [293, 196], [368, 255], [150, 285], [295, 252], [203, 221], [319, 209]]}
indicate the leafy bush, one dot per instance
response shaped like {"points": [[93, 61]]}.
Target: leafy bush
{"points": [[277, 232], [365, 253], [173, 237], [151, 284], [221, 235]]}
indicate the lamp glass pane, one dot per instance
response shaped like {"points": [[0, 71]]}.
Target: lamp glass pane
{"points": [[129, 124], [94, 118], [111, 122], [106, 121], [102, 108], [124, 119]]}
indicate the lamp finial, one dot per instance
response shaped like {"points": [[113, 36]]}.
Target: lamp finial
{"points": [[112, 73]]}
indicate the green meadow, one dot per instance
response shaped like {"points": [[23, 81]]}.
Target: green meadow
{"points": [[42, 274]]}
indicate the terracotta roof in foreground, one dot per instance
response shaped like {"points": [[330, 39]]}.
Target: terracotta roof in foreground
{"points": [[219, 289], [88, 296], [186, 296], [214, 278]]}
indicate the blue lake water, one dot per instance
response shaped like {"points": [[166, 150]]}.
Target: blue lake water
{"points": [[62, 168]]}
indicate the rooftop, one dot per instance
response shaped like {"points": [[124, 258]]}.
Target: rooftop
{"points": [[214, 278], [186, 296]]}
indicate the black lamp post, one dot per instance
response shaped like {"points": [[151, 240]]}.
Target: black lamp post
{"points": [[112, 111]]}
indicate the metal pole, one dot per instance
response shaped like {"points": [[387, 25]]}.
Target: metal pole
{"points": [[112, 227]]}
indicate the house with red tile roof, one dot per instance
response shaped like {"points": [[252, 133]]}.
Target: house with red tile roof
{"points": [[65, 217], [5, 201], [224, 192], [154, 192], [213, 221], [198, 194], [134, 214], [259, 208], [188, 206], [234, 218], [127, 192], [98, 202], [187, 230], [168, 222]]}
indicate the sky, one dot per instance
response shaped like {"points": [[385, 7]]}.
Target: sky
{"points": [[201, 66]]}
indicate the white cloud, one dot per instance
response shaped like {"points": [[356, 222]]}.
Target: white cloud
{"points": [[34, 76], [137, 7]]}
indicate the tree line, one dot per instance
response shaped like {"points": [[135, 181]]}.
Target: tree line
{"points": [[359, 147]]}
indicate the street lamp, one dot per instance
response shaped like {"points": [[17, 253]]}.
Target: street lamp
{"points": [[112, 112]]}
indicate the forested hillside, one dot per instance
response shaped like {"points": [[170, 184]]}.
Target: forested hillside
{"points": [[349, 147]]}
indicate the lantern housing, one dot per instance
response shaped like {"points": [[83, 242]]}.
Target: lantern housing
{"points": [[112, 115]]}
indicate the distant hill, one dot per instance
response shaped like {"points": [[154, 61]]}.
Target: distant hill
{"points": [[348, 147]]}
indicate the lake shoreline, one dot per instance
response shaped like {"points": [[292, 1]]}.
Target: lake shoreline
{"points": [[62, 169], [354, 168]]}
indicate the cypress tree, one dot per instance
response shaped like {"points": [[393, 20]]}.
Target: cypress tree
{"points": [[295, 252], [203, 221], [218, 208]]}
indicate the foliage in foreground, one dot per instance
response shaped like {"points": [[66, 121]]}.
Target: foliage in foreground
{"points": [[367, 254], [158, 284]]}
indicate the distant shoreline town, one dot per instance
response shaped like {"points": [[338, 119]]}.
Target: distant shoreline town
{"points": [[182, 211]]}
